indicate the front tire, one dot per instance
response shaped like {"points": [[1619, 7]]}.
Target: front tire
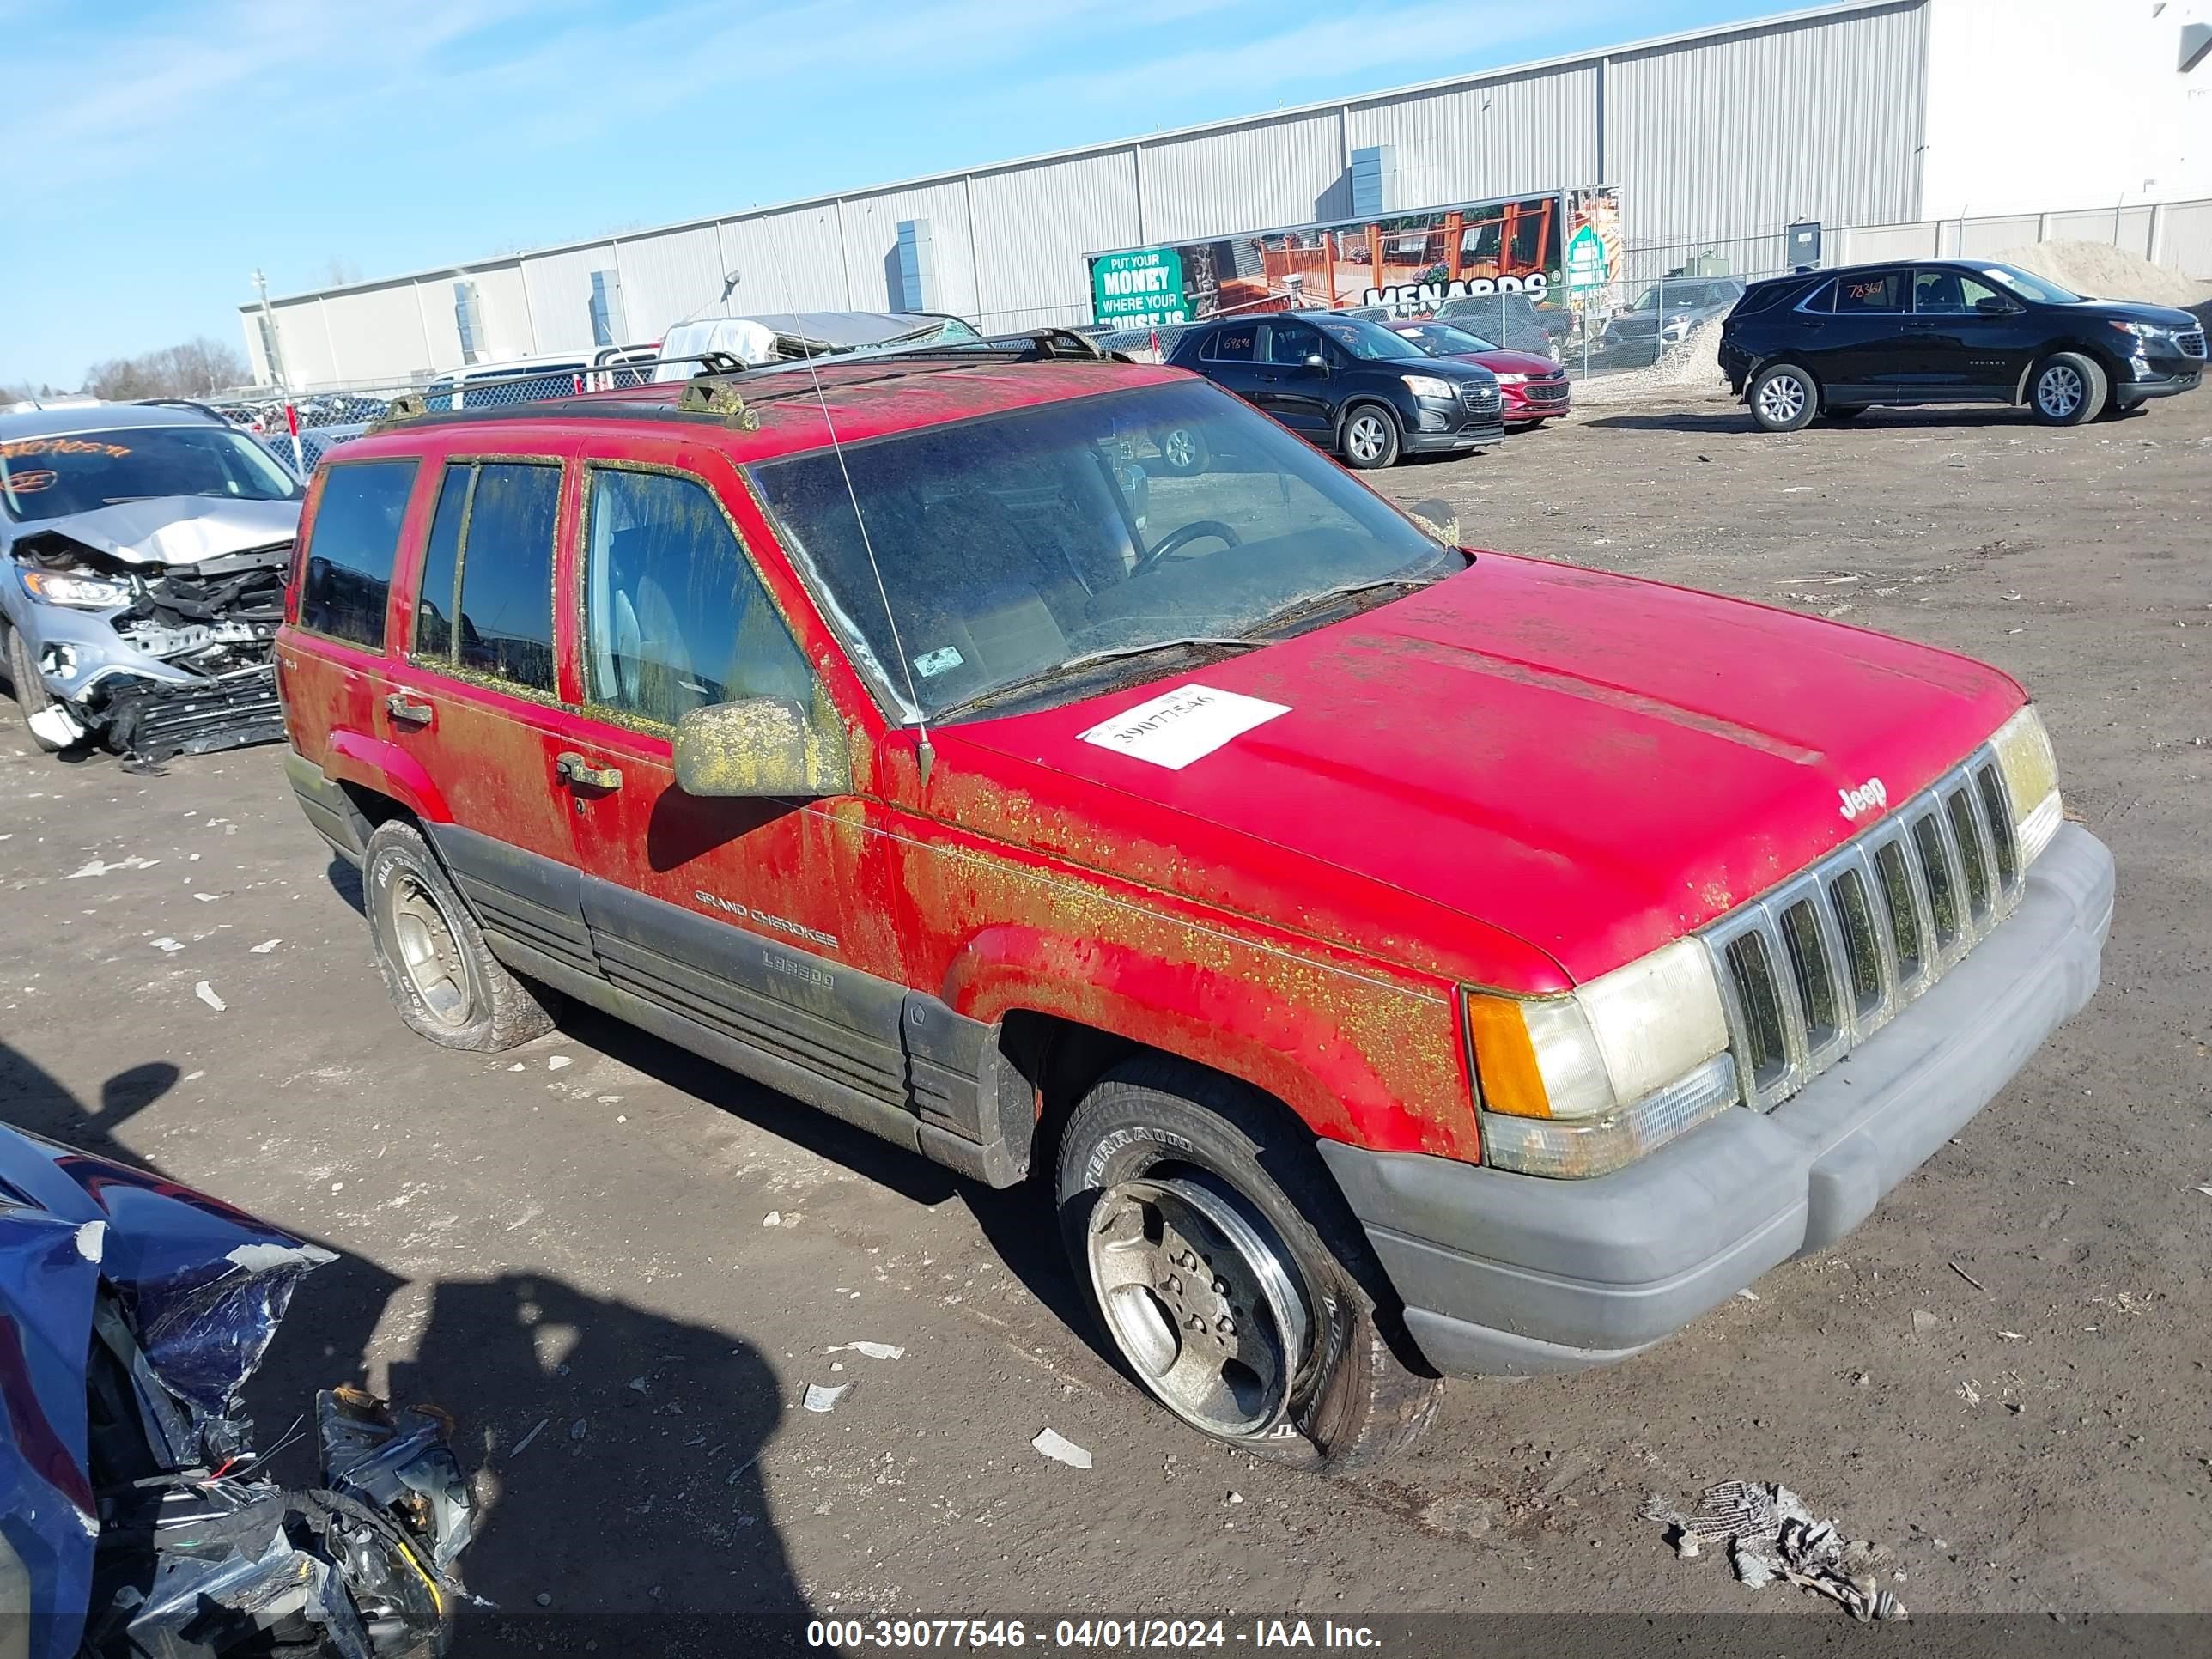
{"points": [[1183, 453], [31, 696], [1783, 398], [2066, 389], [443, 978], [1228, 1274], [1370, 440]]}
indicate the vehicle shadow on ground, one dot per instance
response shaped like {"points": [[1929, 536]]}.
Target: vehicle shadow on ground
{"points": [[1018, 1221], [638, 1508], [1736, 420]]}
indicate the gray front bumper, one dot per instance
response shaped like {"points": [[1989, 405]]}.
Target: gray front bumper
{"points": [[1513, 1274]]}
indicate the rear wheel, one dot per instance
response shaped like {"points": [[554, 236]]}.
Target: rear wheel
{"points": [[1783, 398], [31, 694], [1228, 1273], [2066, 389], [447, 983], [1370, 437]]}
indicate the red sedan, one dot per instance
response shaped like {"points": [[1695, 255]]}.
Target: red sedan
{"points": [[1535, 388]]}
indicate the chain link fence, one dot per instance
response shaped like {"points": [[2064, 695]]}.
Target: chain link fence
{"points": [[1657, 317]]}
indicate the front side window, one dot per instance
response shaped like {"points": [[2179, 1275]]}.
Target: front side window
{"points": [[1013, 549], [1370, 342], [675, 616], [1291, 343], [1872, 291], [352, 547], [1948, 293], [50, 477], [506, 610]]}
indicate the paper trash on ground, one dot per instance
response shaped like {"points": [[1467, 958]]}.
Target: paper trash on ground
{"points": [[1771, 1535], [1060, 1448]]}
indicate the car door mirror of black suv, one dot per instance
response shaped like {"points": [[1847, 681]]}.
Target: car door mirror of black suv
{"points": [[761, 746], [1995, 307], [1316, 364]]}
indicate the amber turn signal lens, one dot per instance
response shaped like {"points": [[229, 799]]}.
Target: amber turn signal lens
{"points": [[1504, 1058]]}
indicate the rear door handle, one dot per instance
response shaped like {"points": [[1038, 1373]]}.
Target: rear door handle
{"points": [[401, 707], [1919, 322], [576, 771]]}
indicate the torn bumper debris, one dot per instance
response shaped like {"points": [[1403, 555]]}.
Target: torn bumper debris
{"points": [[1770, 1534], [135, 1516]]}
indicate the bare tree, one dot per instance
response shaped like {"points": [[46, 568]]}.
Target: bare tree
{"points": [[192, 369]]}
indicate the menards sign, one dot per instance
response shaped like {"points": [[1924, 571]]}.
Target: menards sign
{"points": [[1408, 264]]}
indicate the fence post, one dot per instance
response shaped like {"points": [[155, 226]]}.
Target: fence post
{"points": [[2155, 249]]}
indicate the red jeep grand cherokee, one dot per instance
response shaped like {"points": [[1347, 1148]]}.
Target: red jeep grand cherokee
{"points": [[1395, 960]]}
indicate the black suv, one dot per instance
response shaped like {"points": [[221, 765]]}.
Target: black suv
{"points": [[1349, 385], [1949, 331]]}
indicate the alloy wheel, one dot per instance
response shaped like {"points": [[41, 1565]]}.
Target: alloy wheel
{"points": [[1367, 437], [1202, 1300], [429, 953], [1781, 399], [2059, 390]]}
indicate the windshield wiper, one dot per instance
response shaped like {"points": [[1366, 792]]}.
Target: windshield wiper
{"points": [[1089, 658], [1313, 600]]}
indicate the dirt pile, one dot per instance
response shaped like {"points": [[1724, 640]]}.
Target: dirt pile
{"points": [[1689, 368], [2104, 272]]}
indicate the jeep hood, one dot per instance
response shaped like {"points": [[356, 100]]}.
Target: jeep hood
{"points": [[168, 530], [1524, 776]]}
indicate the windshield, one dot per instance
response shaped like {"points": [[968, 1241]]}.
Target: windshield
{"points": [[1442, 339], [1686, 294], [2029, 286], [1010, 546], [1369, 341], [74, 472]]}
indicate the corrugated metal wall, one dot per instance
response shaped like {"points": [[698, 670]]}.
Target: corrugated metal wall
{"points": [[1720, 138], [1733, 138], [1521, 135]]}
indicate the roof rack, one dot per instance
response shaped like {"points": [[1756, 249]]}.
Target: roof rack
{"points": [[712, 394], [180, 403]]}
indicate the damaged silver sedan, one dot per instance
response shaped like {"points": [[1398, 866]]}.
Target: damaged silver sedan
{"points": [[144, 552]]}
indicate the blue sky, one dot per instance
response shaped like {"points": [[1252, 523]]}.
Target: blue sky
{"points": [[160, 152]]}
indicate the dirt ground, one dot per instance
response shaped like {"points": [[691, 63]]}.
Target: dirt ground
{"points": [[621, 1268]]}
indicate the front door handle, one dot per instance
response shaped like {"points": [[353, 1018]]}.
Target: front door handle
{"points": [[402, 707], [576, 772]]}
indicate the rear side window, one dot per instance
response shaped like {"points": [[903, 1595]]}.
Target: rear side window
{"points": [[675, 616], [1231, 345], [1879, 290], [355, 538], [506, 618]]}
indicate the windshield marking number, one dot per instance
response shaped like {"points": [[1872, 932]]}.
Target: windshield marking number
{"points": [[1181, 725]]}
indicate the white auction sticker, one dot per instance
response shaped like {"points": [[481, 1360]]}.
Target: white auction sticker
{"points": [[1181, 725]]}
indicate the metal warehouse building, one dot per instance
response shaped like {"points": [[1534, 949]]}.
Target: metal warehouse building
{"points": [[1901, 126]]}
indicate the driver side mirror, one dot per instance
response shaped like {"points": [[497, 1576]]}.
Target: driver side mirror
{"points": [[1438, 519], [1317, 363], [760, 746], [1995, 307]]}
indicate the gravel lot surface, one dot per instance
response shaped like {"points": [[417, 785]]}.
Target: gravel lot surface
{"points": [[653, 1258]]}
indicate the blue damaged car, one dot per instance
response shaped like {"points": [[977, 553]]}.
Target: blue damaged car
{"points": [[135, 1515]]}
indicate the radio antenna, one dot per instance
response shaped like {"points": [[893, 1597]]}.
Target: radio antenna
{"points": [[925, 753]]}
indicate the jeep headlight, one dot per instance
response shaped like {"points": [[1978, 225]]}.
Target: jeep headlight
{"points": [[2031, 779], [1429, 386], [1583, 1083], [80, 593]]}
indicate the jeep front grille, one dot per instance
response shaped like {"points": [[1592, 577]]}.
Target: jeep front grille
{"points": [[1823, 961]]}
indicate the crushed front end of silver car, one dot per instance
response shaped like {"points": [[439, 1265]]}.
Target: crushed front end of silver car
{"points": [[155, 621]]}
